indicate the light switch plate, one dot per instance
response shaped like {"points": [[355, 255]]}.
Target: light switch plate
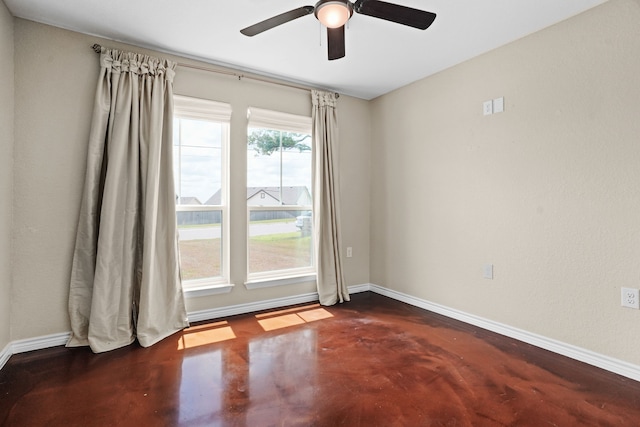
{"points": [[498, 105]]}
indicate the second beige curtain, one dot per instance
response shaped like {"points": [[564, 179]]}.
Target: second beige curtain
{"points": [[331, 285], [125, 280]]}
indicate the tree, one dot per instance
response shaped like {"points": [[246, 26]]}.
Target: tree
{"points": [[266, 141]]}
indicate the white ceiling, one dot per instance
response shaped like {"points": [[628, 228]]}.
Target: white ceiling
{"points": [[381, 55]]}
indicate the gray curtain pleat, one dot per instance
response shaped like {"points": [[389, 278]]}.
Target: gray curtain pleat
{"points": [[125, 280]]}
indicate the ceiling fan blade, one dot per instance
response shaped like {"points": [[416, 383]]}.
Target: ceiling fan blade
{"points": [[335, 42], [395, 13], [274, 21]]}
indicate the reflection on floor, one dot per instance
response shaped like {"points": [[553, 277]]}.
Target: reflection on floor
{"points": [[370, 362]]}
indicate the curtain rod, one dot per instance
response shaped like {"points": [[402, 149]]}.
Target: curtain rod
{"points": [[98, 48]]}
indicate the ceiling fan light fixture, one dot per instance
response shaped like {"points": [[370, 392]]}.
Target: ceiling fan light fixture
{"points": [[333, 13]]}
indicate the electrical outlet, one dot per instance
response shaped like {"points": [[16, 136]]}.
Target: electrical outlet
{"points": [[630, 298], [487, 107], [349, 252]]}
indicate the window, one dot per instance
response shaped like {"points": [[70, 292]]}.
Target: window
{"points": [[200, 149], [279, 196]]}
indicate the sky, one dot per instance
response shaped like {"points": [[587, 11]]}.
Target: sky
{"points": [[198, 174]]}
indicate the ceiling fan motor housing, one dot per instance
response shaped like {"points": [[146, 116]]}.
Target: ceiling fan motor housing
{"points": [[333, 13]]}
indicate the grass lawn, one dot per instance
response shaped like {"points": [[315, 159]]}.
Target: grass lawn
{"points": [[201, 258], [279, 252]]}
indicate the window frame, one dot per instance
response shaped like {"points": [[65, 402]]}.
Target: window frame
{"points": [[284, 122], [186, 107]]}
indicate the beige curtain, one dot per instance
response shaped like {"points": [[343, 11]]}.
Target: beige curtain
{"points": [[331, 285], [125, 280]]}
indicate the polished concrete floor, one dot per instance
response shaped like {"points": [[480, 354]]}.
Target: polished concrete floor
{"points": [[370, 362]]}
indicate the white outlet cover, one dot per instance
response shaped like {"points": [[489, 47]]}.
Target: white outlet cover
{"points": [[487, 108], [630, 298]]}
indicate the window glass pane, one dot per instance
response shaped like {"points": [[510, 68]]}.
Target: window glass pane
{"points": [[200, 243], [296, 169], [199, 144], [279, 174], [279, 240], [276, 158], [199, 168], [263, 159]]}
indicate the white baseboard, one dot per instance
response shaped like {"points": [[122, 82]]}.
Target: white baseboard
{"points": [[39, 343], [595, 359], [232, 310], [30, 344], [5, 354], [359, 288], [607, 363]]}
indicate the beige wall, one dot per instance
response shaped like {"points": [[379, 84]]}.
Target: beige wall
{"points": [[547, 191], [6, 169], [355, 180], [56, 73]]}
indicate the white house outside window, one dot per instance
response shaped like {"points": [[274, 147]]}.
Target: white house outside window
{"points": [[279, 196], [200, 150]]}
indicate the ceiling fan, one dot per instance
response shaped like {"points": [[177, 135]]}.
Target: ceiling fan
{"points": [[334, 14]]}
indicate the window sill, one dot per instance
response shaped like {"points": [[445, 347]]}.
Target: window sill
{"points": [[280, 281], [204, 290]]}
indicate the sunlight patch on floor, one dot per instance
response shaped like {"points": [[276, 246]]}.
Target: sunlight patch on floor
{"points": [[210, 333], [291, 317]]}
